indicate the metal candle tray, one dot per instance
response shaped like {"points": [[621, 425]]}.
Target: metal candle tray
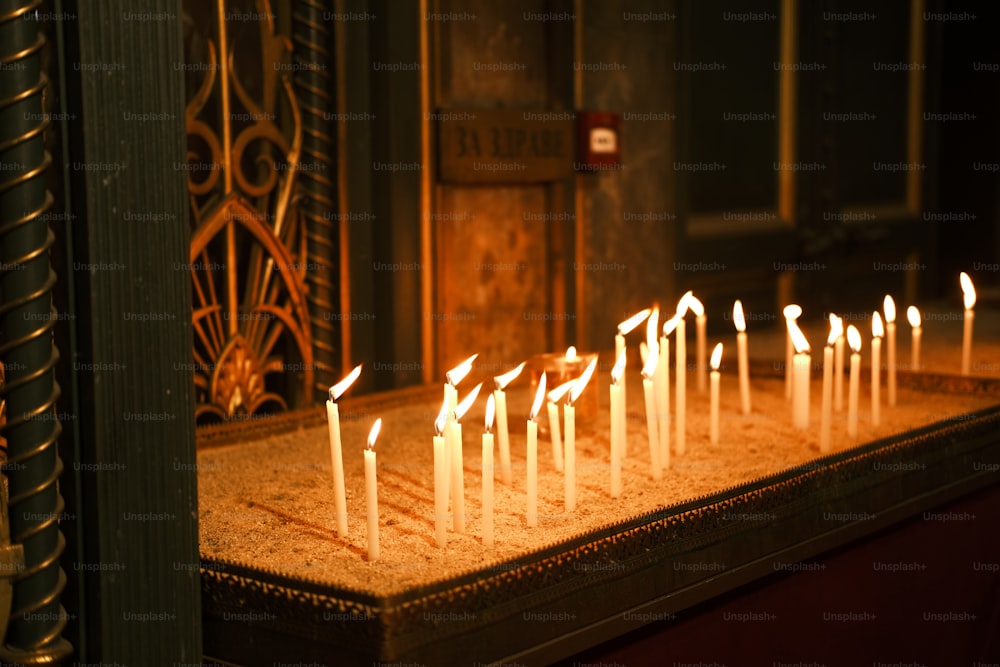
{"points": [[560, 600]]}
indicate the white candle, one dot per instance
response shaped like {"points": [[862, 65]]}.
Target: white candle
{"points": [[569, 461], [488, 474], [680, 407], [503, 436], [569, 414], [791, 313], [336, 454], [531, 514], [700, 344], [649, 395], [452, 379], [555, 434], [826, 406], [457, 465], [371, 492], [742, 356], [713, 411], [442, 462], [889, 308], [663, 392], [617, 426], [854, 339], [877, 333], [625, 327], [800, 377], [555, 430], [838, 364], [913, 316], [969, 296]]}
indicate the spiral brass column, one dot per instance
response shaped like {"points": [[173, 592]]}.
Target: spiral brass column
{"points": [[313, 47], [32, 464]]}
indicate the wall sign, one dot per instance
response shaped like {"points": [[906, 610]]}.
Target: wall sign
{"points": [[504, 145]]}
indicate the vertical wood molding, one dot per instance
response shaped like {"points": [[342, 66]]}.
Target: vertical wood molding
{"points": [[915, 108], [137, 472], [428, 342], [788, 111]]}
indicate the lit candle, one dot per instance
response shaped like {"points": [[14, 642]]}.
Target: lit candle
{"points": [[457, 468], [452, 378], [617, 425], [569, 414], [742, 356], [663, 392], [913, 316], [371, 492], [791, 313], [969, 296], [700, 347], [877, 332], [854, 340], [713, 432], [648, 393], [555, 431], [503, 437], [488, 473], [838, 364], [442, 462], [680, 408], [826, 407], [624, 328], [889, 308], [800, 377], [336, 455], [531, 515]]}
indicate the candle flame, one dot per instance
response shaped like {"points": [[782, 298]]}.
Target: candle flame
{"points": [[618, 369], [968, 291], [889, 308], [503, 380], [652, 325], [799, 340], [458, 373], [682, 304], [652, 358], [877, 329], [491, 409], [556, 394], [695, 305], [738, 319], [836, 326], [792, 311], [836, 329], [467, 402], [442, 419], [571, 353], [581, 382], [716, 357], [854, 338], [337, 390], [670, 325], [913, 316], [373, 434], [625, 326], [539, 397]]}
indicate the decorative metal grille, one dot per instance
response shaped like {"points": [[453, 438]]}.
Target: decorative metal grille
{"points": [[249, 261]]}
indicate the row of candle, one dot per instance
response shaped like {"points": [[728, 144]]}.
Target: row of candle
{"points": [[448, 464]]}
